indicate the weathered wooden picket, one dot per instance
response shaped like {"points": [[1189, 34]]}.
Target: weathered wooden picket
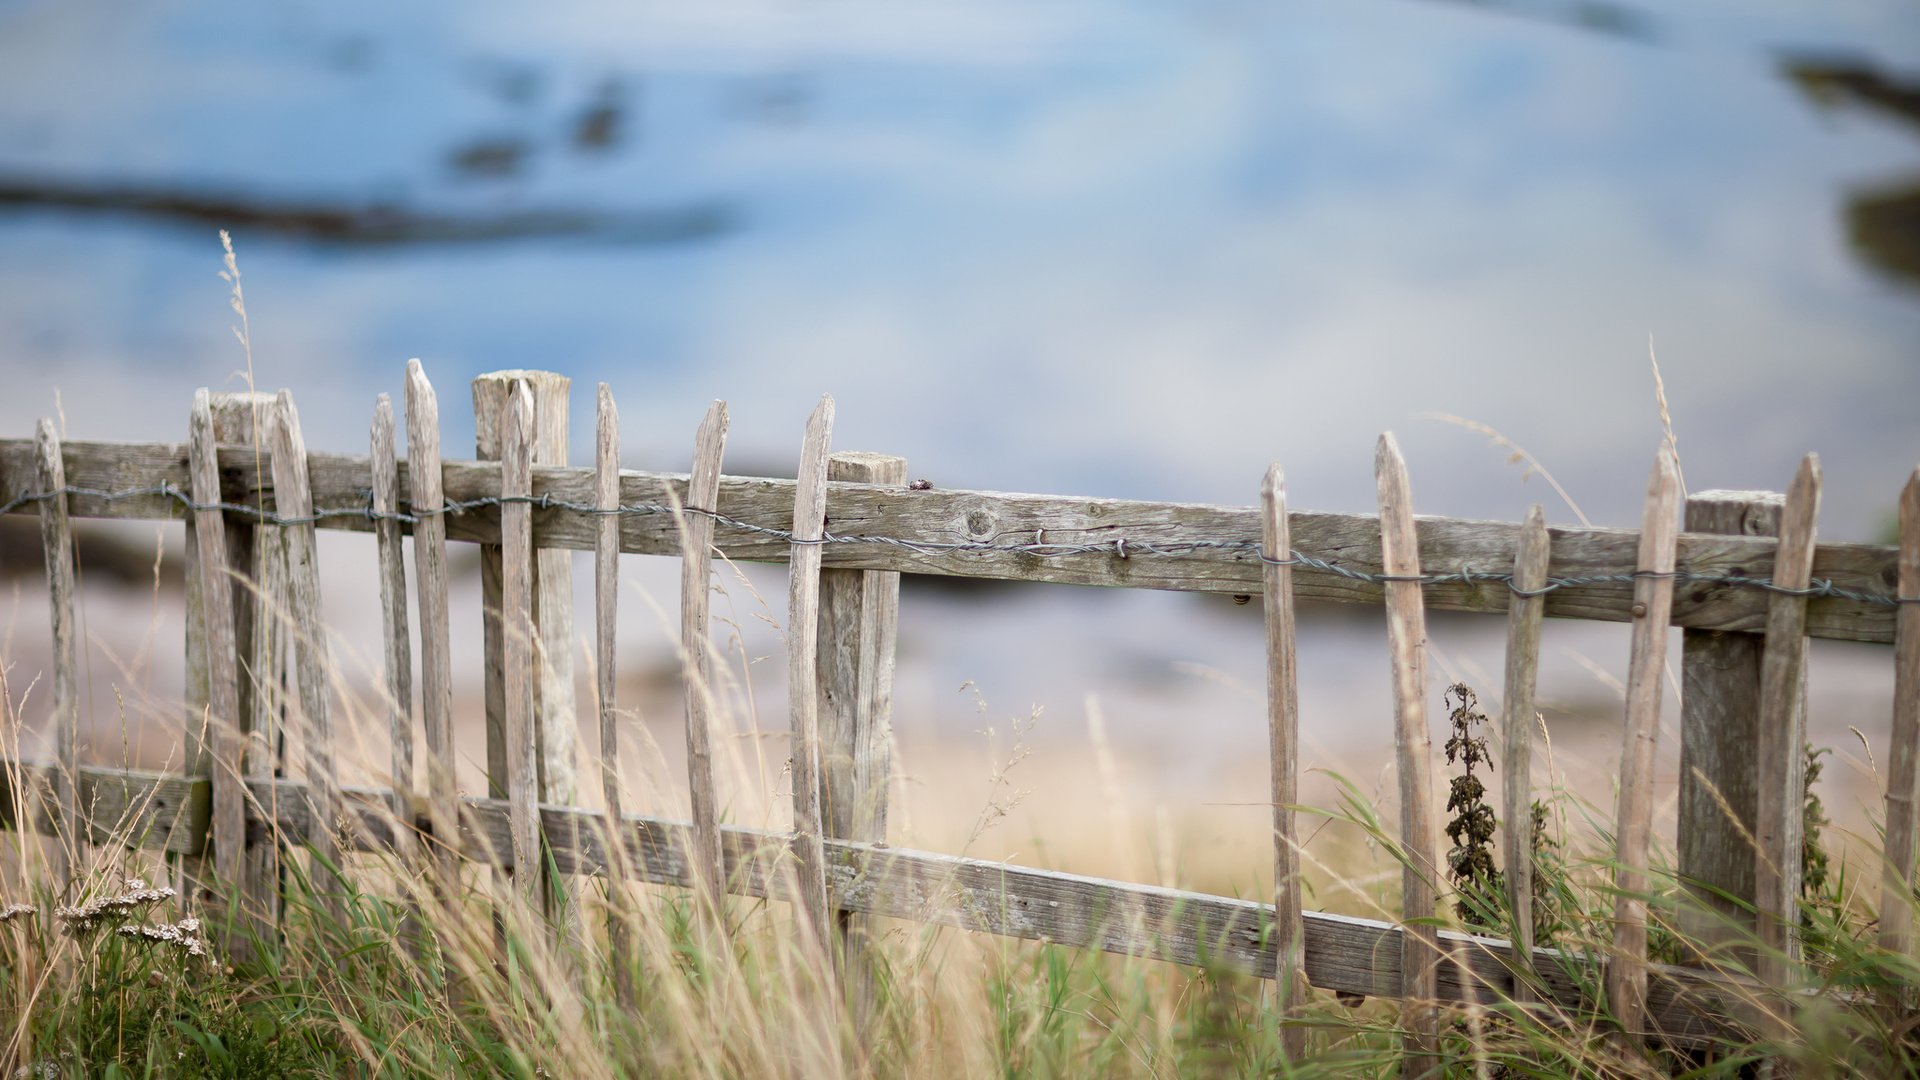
{"points": [[1746, 582]]}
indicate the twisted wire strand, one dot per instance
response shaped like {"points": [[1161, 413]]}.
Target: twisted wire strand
{"points": [[1120, 547]]}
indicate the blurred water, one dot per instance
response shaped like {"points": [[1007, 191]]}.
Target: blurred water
{"points": [[1122, 249]]}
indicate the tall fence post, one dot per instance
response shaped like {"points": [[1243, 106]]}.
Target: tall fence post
{"points": [[859, 617], [312, 662], [552, 588], [222, 719], [56, 538], [1719, 731], [1413, 756], [259, 598], [1903, 752], [1646, 681]]}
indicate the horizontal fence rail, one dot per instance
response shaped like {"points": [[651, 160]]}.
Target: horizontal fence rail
{"points": [[1685, 1006], [1722, 582]]}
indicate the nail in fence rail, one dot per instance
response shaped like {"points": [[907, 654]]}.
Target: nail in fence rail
{"points": [[1719, 731], [1646, 668], [695, 529], [859, 621], [1283, 737], [56, 538], [1517, 720], [1903, 765], [1413, 756]]}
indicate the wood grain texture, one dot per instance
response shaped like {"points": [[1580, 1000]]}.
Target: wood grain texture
{"points": [[397, 653], [1350, 540], [518, 648], [1283, 740], [1646, 670], [311, 659], [1413, 757], [1780, 757], [1903, 754], [696, 569], [803, 643], [223, 706], [56, 541], [859, 623], [1719, 730], [606, 609], [556, 723], [259, 598], [430, 581], [1517, 722]]}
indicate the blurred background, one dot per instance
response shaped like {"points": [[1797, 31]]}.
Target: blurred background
{"points": [[1119, 249]]}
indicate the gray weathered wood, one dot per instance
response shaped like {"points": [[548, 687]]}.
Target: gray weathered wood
{"points": [[1719, 729], [696, 568], [1903, 751], [1517, 720], [1780, 758], [1646, 670], [398, 651], [859, 621], [606, 608], [552, 576], [311, 660], [934, 517], [518, 649], [803, 643], [189, 870], [430, 580], [1283, 737], [1686, 1006], [223, 705], [1413, 755], [131, 808], [259, 598], [56, 540]]}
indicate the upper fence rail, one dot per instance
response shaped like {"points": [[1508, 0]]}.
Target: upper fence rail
{"points": [[1724, 580]]}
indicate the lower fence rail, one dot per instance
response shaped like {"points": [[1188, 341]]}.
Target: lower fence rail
{"points": [[1686, 1007]]}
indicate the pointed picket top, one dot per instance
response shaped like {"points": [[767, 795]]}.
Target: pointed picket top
{"points": [[1283, 735], [696, 569], [1413, 752], [803, 642], [1646, 672]]}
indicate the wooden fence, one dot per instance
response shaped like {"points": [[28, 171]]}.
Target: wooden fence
{"points": [[1746, 582]]}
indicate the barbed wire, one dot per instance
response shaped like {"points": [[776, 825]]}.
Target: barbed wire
{"points": [[1119, 547]]}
